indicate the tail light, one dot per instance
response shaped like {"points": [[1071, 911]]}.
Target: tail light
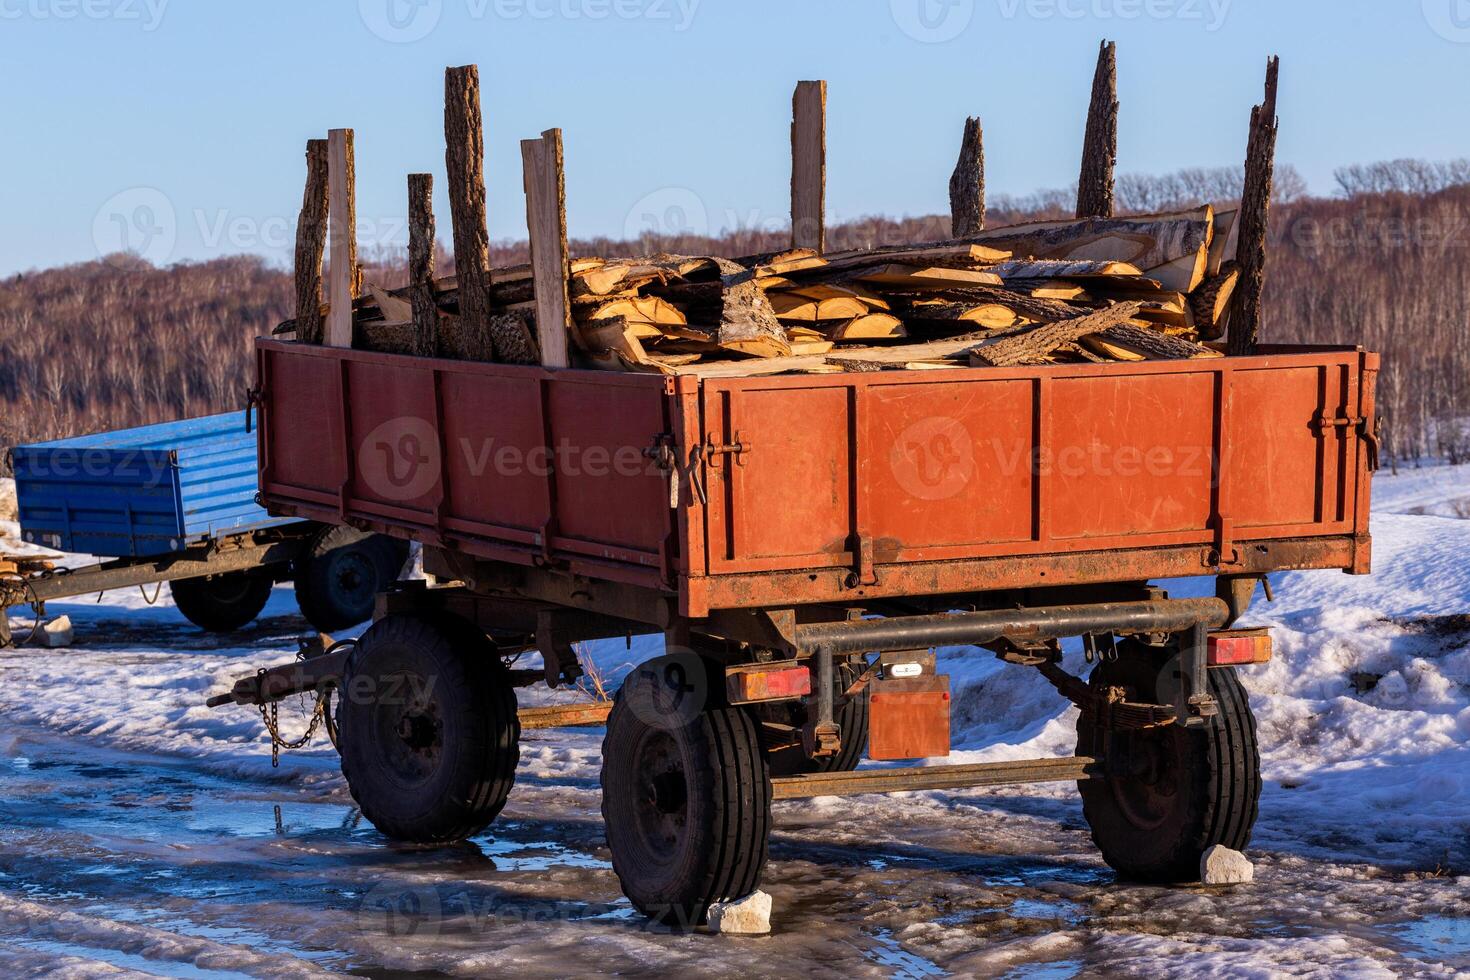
{"points": [[1233, 648], [767, 682]]}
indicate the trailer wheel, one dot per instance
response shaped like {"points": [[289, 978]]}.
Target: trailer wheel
{"points": [[428, 728], [851, 716], [1186, 789], [221, 603], [341, 573], [686, 802]]}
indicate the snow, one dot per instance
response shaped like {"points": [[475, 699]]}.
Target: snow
{"points": [[141, 832]]}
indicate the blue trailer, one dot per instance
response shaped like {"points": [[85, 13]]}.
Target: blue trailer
{"points": [[176, 502]]}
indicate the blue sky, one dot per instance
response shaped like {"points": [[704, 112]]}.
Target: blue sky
{"points": [[178, 126]]}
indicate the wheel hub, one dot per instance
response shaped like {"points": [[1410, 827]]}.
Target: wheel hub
{"points": [[1147, 797], [662, 803]]}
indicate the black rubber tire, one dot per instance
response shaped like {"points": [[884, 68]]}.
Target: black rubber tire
{"points": [[222, 603], [1196, 787], [428, 728], [340, 574], [851, 717], [686, 803]]}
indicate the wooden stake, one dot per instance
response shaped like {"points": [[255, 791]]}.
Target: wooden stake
{"points": [[421, 264], [809, 165], [1100, 145], [343, 275], [967, 184], [546, 220], [311, 238], [1255, 206], [464, 161]]}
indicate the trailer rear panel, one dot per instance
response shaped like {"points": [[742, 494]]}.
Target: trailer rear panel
{"points": [[820, 488], [143, 491]]}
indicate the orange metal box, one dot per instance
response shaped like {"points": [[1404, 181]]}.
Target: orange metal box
{"points": [[832, 488]]}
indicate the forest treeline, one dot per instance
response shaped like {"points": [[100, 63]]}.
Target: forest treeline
{"points": [[1382, 263]]}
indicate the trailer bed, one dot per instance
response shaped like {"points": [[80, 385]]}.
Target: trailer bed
{"points": [[751, 492]]}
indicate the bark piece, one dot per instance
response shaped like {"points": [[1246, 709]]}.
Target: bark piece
{"points": [[1100, 144], [311, 238], [1033, 344], [1211, 302], [464, 163], [1154, 345], [424, 310], [1255, 206], [967, 184]]}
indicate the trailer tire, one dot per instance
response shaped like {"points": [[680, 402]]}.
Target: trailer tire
{"points": [[340, 574], [428, 728], [221, 603], [1191, 788], [851, 716], [686, 803]]}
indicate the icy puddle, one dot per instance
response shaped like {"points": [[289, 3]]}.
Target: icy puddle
{"points": [[155, 865]]}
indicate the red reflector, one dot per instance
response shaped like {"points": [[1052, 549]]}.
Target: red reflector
{"points": [[744, 684], [1232, 648]]}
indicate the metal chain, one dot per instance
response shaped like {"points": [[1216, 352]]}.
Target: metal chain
{"points": [[270, 714]]}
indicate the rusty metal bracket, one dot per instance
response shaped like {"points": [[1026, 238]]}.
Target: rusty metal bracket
{"points": [[827, 734], [1195, 706], [554, 644], [863, 570]]}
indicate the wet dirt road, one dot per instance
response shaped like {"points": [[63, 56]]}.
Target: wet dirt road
{"points": [[154, 864]]}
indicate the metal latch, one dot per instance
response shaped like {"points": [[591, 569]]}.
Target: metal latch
{"points": [[252, 400], [663, 454], [737, 448], [1368, 430]]}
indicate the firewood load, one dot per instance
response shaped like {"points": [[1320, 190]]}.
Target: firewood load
{"points": [[1098, 288], [820, 313]]}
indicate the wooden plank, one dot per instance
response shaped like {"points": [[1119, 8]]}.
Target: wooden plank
{"points": [[1150, 242], [967, 184], [341, 179], [809, 165], [1100, 143], [311, 238], [464, 164], [424, 310], [546, 220]]}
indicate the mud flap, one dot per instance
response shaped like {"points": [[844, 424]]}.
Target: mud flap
{"points": [[908, 717]]}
